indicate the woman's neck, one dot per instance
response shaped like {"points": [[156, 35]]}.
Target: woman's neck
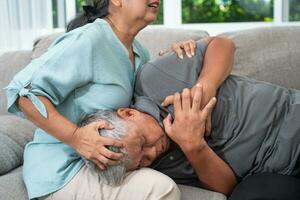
{"points": [[124, 31]]}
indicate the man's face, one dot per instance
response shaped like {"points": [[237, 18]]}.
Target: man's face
{"points": [[145, 139]]}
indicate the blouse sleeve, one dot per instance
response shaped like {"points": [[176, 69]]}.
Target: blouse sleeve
{"points": [[67, 65]]}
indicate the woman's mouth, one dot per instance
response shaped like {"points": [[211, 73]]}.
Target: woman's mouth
{"points": [[154, 4]]}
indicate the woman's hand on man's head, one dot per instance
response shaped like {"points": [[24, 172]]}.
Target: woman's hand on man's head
{"points": [[188, 47], [89, 144]]}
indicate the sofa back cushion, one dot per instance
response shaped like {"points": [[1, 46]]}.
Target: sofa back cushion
{"points": [[10, 64], [270, 54], [154, 39]]}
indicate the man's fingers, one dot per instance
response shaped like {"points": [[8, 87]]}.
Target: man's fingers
{"points": [[168, 124], [197, 98], [208, 125], [169, 100], [208, 108], [177, 103], [186, 99]]}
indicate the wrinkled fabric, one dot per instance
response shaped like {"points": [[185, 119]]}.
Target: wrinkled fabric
{"points": [[255, 125], [84, 70]]}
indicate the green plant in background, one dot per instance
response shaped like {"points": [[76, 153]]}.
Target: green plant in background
{"points": [[208, 11], [197, 11], [294, 10]]}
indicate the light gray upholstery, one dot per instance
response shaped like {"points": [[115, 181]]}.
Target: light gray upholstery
{"points": [[15, 132], [191, 193], [10, 64], [12, 186], [270, 54], [161, 39]]}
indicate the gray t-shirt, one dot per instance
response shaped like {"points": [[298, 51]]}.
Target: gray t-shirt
{"points": [[255, 125]]}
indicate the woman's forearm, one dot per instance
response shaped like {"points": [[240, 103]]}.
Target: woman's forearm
{"points": [[55, 124], [218, 62]]}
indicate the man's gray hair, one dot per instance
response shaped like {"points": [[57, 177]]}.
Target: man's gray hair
{"points": [[113, 175]]}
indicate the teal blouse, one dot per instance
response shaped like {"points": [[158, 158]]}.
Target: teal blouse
{"points": [[84, 70]]}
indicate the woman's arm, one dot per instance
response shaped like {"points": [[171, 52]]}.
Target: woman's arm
{"points": [[85, 140]]}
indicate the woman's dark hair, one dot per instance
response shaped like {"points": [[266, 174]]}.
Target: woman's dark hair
{"points": [[93, 10]]}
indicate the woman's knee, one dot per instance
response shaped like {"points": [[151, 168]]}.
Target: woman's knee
{"points": [[156, 185]]}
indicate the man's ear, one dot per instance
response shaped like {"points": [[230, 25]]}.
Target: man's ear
{"points": [[126, 113]]}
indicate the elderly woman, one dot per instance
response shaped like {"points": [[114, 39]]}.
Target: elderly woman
{"points": [[90, 67]]}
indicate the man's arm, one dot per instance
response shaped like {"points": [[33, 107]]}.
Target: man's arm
{"points": [[217, 65], [187, 130]]}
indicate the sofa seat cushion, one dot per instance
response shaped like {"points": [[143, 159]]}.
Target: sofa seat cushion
{"points": [[190, 193], [15, 132], [12, 186]]}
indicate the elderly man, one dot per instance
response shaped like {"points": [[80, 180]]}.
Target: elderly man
{"points": [[255, 126]]}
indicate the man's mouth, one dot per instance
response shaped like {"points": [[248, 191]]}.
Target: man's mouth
{"points": [[154, 4]]}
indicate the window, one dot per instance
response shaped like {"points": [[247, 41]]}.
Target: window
{"points": [[54, 13], [294, 10], [160, 16], [79, 4], [206, 11]]}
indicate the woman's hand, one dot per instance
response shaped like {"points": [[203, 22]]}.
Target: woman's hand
{"points": [[207, 94], [188, 127], [89, 144], [188, 47]]}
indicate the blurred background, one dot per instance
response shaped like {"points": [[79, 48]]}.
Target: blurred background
{"points": [[22, 21]]}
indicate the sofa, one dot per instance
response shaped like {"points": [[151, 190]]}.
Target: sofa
{"points": [[271, 54]]}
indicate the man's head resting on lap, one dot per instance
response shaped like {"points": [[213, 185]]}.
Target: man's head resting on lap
{"points": [[143, 138]]}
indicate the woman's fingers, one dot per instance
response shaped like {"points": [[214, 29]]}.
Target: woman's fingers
{"points": [[98, 163], [110, 154], [163, 52], [102, 125], [111, 142], [187, 49], [177, 48], [105, 161], [196, 107], [193, 47]]}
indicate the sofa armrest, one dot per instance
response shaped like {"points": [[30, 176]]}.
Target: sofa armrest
{"points": [[10, 64], [15, 133]]}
